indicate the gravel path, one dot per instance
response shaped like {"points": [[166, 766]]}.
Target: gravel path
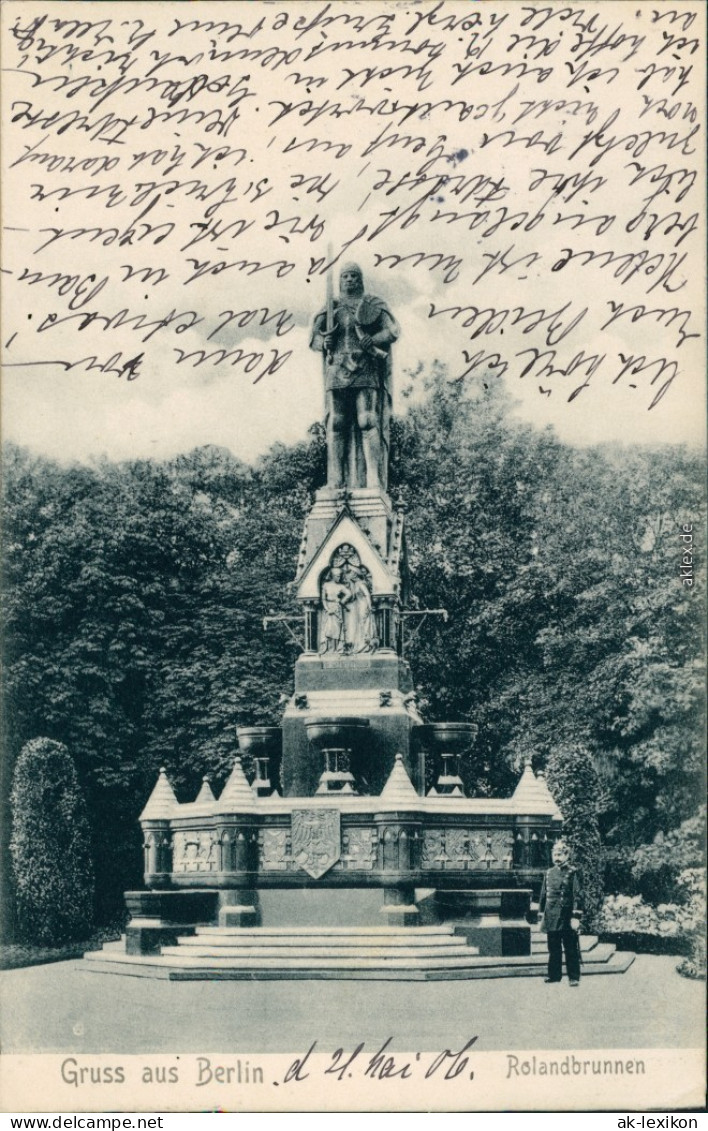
{"points": [[65, 1008]]}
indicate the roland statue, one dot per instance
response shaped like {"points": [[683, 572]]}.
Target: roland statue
{"points": [[355, 333]]}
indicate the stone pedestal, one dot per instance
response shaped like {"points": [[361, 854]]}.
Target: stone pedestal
{"points": [[377, 688], [399, 907], [148, 936], [495, 921], [324, 907], [159, 918], [239, 908]]}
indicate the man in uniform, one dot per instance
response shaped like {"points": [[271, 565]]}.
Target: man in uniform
{"points": [[560, 902], [357, 365]]}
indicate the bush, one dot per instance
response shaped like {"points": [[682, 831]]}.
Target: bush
{"points": [[49, 846], [669, 928], [619, 879], [693, 883], [574, 784], [629, 914], [694, 965], [656, 867]]}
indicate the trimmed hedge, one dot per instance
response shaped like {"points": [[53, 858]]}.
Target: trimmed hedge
{"points": [[574, 785], [640, 943], [49, 847], [16, 956]]}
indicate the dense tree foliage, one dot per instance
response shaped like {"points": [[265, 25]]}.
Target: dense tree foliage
{"points": [[135, 597], [50, 846]]}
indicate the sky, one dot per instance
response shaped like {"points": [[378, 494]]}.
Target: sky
{"points": [[77, 417], [544, 172]]}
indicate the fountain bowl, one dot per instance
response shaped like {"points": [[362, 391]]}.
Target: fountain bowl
{"points": [[343, 733], [259, 742], [448, 738]]}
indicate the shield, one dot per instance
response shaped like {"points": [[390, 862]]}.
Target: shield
{"points": [[369, 310], [316, 840]]}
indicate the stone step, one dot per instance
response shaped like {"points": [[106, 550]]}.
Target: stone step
{"points": [[322, 942], [539, 944], [298, 961], [597, 952], [616, 964], [296, 958], [115, 946], [476, 967], [139, 965], [412, 952], [255, 959], [329, 932]]}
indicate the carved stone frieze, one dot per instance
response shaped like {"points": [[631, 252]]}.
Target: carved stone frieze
{"points": [[477, 846], [433, 853], [499, 848], [455, 848], [274, 850], [359, 849], [195, 851]]}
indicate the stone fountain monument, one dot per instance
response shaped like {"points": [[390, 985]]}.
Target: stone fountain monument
{"points": [[337, 841]]}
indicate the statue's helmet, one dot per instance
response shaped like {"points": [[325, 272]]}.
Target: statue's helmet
{"points": [[349, 270]]}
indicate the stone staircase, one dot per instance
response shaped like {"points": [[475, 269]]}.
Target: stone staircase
{"points": [[596, 957], [367, 953]]}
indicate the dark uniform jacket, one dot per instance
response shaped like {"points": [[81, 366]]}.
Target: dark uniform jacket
{"points": [[560, 898]]}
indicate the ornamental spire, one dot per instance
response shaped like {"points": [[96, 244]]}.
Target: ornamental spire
{"points": [[162, 803], [399, 788], [237, 793]]}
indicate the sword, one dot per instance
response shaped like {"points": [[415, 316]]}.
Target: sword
{"points": [[329, 316]]}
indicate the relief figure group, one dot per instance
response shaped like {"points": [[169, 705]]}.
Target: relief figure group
{"points": [[347, 622]]}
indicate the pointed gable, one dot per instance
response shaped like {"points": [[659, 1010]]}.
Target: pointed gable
{"points": [[346, 530], [205, 795], [532, 795], [162, 803], [399, 789], [237, 793]]}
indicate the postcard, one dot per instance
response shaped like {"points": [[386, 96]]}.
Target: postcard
{"points": [[355, 524]]}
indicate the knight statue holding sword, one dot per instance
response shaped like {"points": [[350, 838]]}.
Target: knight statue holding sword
{"points": [[355, 333]]}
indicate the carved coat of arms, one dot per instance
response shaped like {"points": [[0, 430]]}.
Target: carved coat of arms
{"points": [[316, 840]]}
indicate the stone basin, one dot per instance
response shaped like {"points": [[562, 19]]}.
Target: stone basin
{"points": [[259, 742], [336, 733], [448, 738]]}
